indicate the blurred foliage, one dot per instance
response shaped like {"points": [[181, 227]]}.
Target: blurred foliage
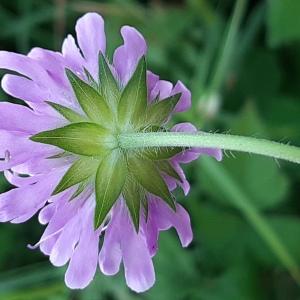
{"points": [[244, 74]]}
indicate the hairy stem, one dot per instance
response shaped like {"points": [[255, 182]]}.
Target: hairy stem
{"points": [[210, 140]]}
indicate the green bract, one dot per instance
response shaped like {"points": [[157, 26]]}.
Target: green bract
{"points": [[106, 111]]}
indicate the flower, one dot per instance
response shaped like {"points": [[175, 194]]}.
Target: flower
{"points": [[61, 153]]}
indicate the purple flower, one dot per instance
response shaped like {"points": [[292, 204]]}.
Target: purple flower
{"points": [[78, 180]]}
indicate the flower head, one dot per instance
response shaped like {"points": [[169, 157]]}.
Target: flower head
{"points": [[79, 178]]}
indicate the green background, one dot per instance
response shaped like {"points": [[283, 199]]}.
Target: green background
{"points": [[241, 59]]}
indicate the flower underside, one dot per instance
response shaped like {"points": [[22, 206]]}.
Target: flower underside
{"points": [[106, 111]]}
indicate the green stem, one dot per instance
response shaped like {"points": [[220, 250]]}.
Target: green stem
{"points": [[210, 140]]}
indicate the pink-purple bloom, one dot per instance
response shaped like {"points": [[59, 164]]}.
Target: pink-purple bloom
{"points": [[70, 235]]}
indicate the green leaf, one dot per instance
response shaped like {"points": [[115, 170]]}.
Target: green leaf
{"points": [[92, 103], [133, 194], [91, 80], [158, 113], [60, 155], [133, 102], [81, 187], [145, 207], [80, 138], [67, 113], [283, 21], [108, 84], [161, 153], [110, 179], [81, 169], [167, 168], [146, 173]]}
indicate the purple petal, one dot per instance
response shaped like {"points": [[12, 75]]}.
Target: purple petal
{"points": [[40, 164], [165, 218], [64, 211], [138, 266], [52, 62], [16, 114], [26, 201], [127, 56], [18, 181], [25, 89], [151, 81], [183, 183], [162, 89], [91, 39], [185, 101], [66, 242], [83, 263], [19, 149], [110, 256], [72, 55], [23, 65], [47, 213], [151, 232]]}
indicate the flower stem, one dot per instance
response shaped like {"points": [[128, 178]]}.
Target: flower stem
{"points": [[210, 140]]}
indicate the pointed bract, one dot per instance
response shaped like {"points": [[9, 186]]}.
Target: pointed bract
{"points": [[81, 138], [166, 167], [108, 84], [80, 170], [133, 194], [159, 112], [67, 113], [92, 103], [133, 101], [147, 174], [110, 179], [81, 187]]}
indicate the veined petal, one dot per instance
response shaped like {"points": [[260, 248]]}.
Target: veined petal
{"points": [[72, 55], [23, 65], [52, 62], [166, 218], [18, 181], [33, 123], [91, 39], [185, 101], [64, 212], [27, 200], [25, 89], [127, 56], [16, 148], [110, 256], [46, 213], [64, 247], [83, 263], [162, 89], [138, 266], [152, 79]]}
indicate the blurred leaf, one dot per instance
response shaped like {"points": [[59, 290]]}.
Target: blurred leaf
{"points": [[259, 76], [283, 21], [234, 193], [282, 117], [238, 282], [287, 227]]}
